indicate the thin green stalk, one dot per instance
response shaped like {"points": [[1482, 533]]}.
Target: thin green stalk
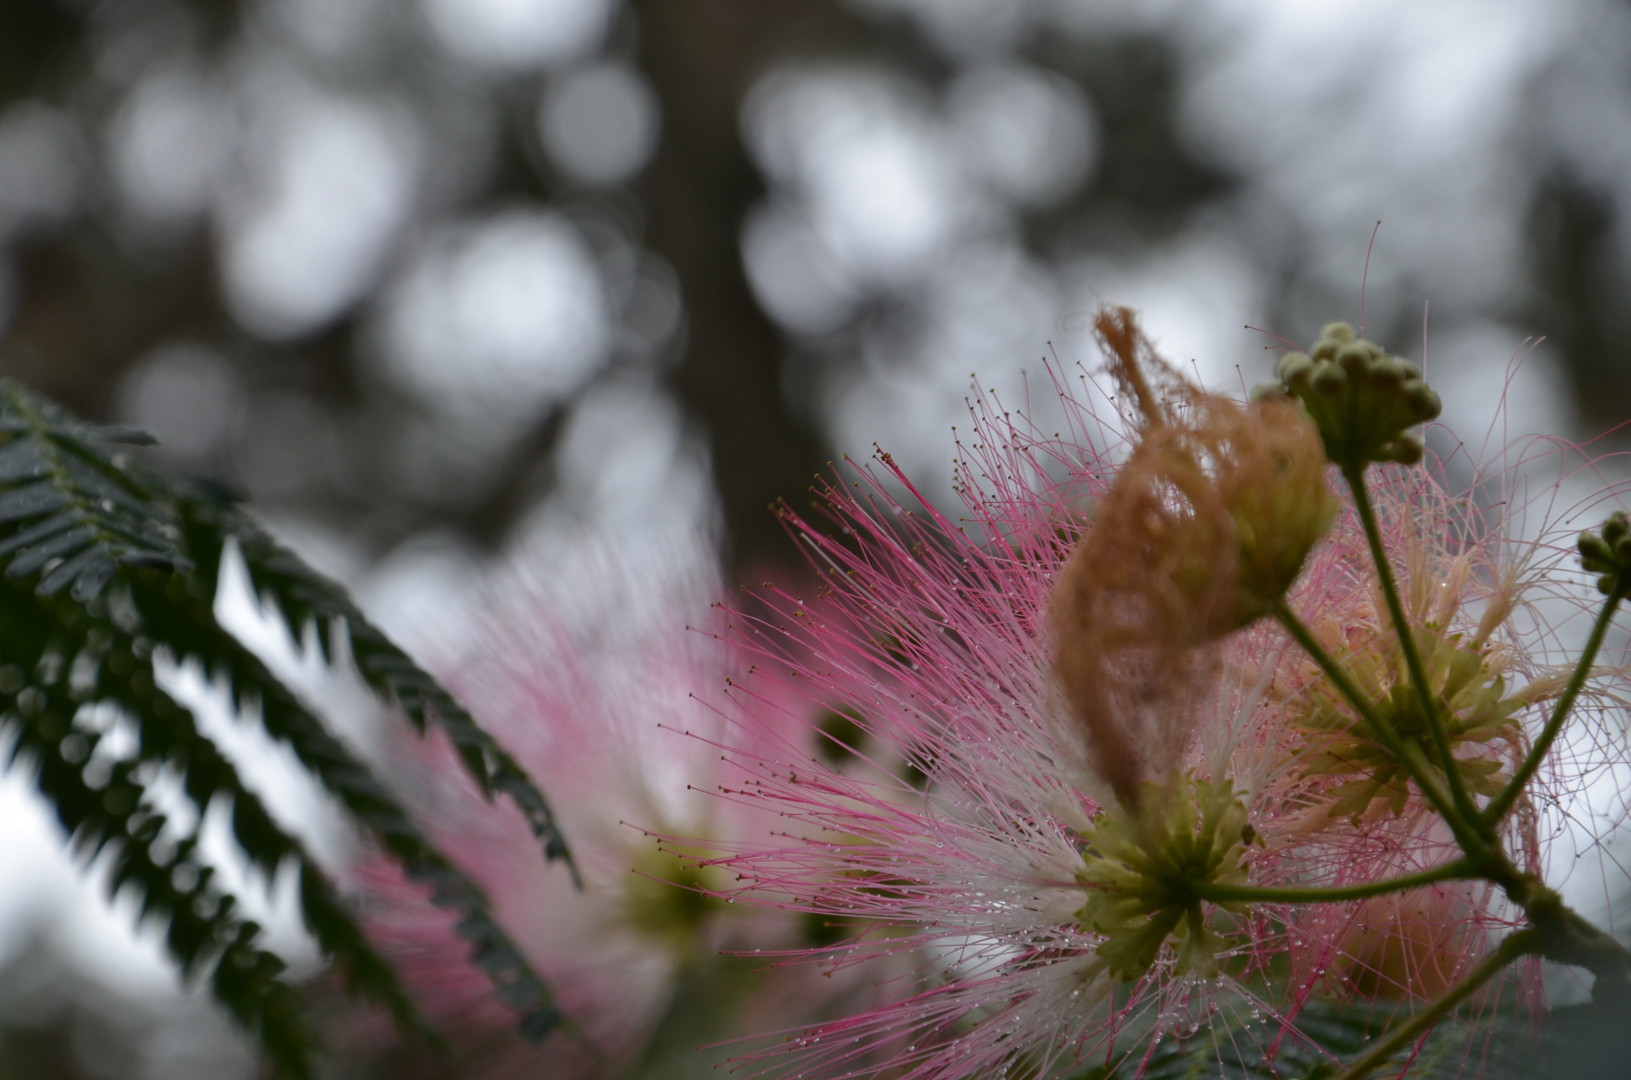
{"points": [[1291, 894], [1414, 758], [1554, 724], [1407, 643], [1470, 840], [1515, 945]]}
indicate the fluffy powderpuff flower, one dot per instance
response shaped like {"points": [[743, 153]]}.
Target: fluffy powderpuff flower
{"points": [[1026, 900], [1495, 597], [583, 666], [938, 643]]}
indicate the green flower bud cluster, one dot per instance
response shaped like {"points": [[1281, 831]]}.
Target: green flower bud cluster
{"points": [[1607, 553], [1139, 874], [1362, 400]]}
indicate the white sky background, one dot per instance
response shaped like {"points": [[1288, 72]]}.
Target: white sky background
{"points": [[1334, 114]]}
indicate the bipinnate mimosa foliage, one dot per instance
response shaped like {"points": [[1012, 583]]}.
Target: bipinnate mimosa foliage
{"points": [[108, 566]]}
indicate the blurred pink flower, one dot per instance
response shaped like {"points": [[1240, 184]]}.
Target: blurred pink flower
{"points": [[583, 665]]}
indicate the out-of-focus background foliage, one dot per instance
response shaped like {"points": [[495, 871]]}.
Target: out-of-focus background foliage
{"points": [[428, 279]]}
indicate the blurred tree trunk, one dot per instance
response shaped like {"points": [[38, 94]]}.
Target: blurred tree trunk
{"points": [[702, 56]]}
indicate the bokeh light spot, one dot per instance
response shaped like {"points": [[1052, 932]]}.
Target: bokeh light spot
{"points": [[599, 124], [309, 238], [518, 33], [187, 395], [1030, 133], [499, 320], [165, 146]]}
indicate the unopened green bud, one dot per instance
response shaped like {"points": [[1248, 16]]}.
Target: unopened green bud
{"points": [[1389, 373], [1294, 367], [1594, 550], [1607, 553], [1616, 528], [1361, 399], [1356, 356], [1338, 333], [1407, 449], [1423, 400], [1329, 380]]}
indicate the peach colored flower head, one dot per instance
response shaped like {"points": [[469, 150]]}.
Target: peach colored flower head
{"points": [[1204, 526]]}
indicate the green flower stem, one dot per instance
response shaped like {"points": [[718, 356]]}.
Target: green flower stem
{"points": [[1554, 931], [1560, 712], [1407, 643], [1521, 943], [1315, 894], [1414, 757], [1469, 838], [1564, 936]]}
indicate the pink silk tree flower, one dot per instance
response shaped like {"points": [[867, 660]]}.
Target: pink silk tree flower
{"points": [[583, 666], [1024, 879]]}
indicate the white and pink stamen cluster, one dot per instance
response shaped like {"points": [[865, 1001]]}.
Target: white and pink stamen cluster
{"points": [[953, 852]]}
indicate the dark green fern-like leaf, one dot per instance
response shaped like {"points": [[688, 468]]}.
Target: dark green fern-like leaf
{"points": [[108, 809], [106, 565], [288, 720], [168, 735], [70, 508], [305, 597]]}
